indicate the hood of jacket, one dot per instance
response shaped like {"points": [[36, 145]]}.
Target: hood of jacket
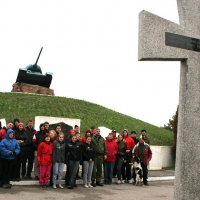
{"points": [[8, 132]]}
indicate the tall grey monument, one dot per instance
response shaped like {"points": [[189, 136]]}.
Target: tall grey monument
{"points": [[162, 40]]}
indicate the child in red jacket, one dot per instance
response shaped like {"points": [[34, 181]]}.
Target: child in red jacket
{"points": [[44, 158]]}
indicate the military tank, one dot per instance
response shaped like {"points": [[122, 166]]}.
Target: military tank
{"points": [[32, 74]]}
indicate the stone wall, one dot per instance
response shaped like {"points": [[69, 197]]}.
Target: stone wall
{"points": [[162, 156], [28, 88]]}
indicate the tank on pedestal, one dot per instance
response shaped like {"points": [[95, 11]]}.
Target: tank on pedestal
{"points": [[32, 74]]}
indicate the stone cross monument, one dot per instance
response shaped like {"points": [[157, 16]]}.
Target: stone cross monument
{"points": [[162, 40]]}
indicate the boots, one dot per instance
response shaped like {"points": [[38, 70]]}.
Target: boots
{"points": [[99, 184], [93, 183]]}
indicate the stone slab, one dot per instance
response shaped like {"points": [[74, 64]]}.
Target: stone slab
{"points": [[54, 120], [3, 122]]}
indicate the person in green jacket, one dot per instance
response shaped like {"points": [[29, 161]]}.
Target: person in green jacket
{"points": [[99, 146]]}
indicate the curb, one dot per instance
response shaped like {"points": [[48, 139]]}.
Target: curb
{"points": [[80, 182]]}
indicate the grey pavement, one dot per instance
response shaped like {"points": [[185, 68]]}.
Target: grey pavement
{"points": [[157, 190]]}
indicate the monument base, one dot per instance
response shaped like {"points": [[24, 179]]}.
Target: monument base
{"points": [[28, 88]]}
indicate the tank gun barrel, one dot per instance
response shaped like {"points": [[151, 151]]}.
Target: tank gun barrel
{"points": [[38, 57]]}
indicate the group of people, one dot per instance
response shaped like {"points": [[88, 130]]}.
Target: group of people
{"points": [[49, 151]]}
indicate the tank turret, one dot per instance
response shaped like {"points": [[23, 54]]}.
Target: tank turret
{"points": [[32, 74]]}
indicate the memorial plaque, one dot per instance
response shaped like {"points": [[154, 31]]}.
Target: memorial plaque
{"points": [[182, 42]]}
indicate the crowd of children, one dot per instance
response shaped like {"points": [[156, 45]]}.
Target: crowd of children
{"points": [[49, 151]]}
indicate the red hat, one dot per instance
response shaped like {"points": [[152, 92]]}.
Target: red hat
{"points": [[72, 131], [20, 124]]}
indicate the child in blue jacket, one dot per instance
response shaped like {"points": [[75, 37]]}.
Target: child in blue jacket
{"points": [[9, 149]]}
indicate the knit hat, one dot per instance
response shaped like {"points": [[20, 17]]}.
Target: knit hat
{"points": [[126, 131], [72, 131], [20, 124]]}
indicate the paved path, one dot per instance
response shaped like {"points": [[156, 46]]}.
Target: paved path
{"points": [[157, 190]]}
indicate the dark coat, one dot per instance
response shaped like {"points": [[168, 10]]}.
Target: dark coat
{"points": [[29, 143], [147, 153], [73, 151], [121, 149], [59, 152], [39, 138], [21, 135], [88, 152]]}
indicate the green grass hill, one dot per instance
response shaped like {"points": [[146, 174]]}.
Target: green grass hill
{"points": [[27, 106]]}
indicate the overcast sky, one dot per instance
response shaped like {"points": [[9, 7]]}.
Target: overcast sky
{"points": [[91, 46]]}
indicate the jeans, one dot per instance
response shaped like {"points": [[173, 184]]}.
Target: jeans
{"points": [[87, 174], [108, 171], [119, 163], [73, 167], [126, 173], [57, 171]]}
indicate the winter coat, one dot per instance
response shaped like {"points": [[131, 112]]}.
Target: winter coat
{"points": [[129, 145], [39, 138], [88, 152], [21, 135], [7, 146], [30, 132], [129, 142], [112, 150], [3, 133], [59, 151], [73, 151], [99, 145], [44, 153], [136, 140], [121, 149], [147, 153]]}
